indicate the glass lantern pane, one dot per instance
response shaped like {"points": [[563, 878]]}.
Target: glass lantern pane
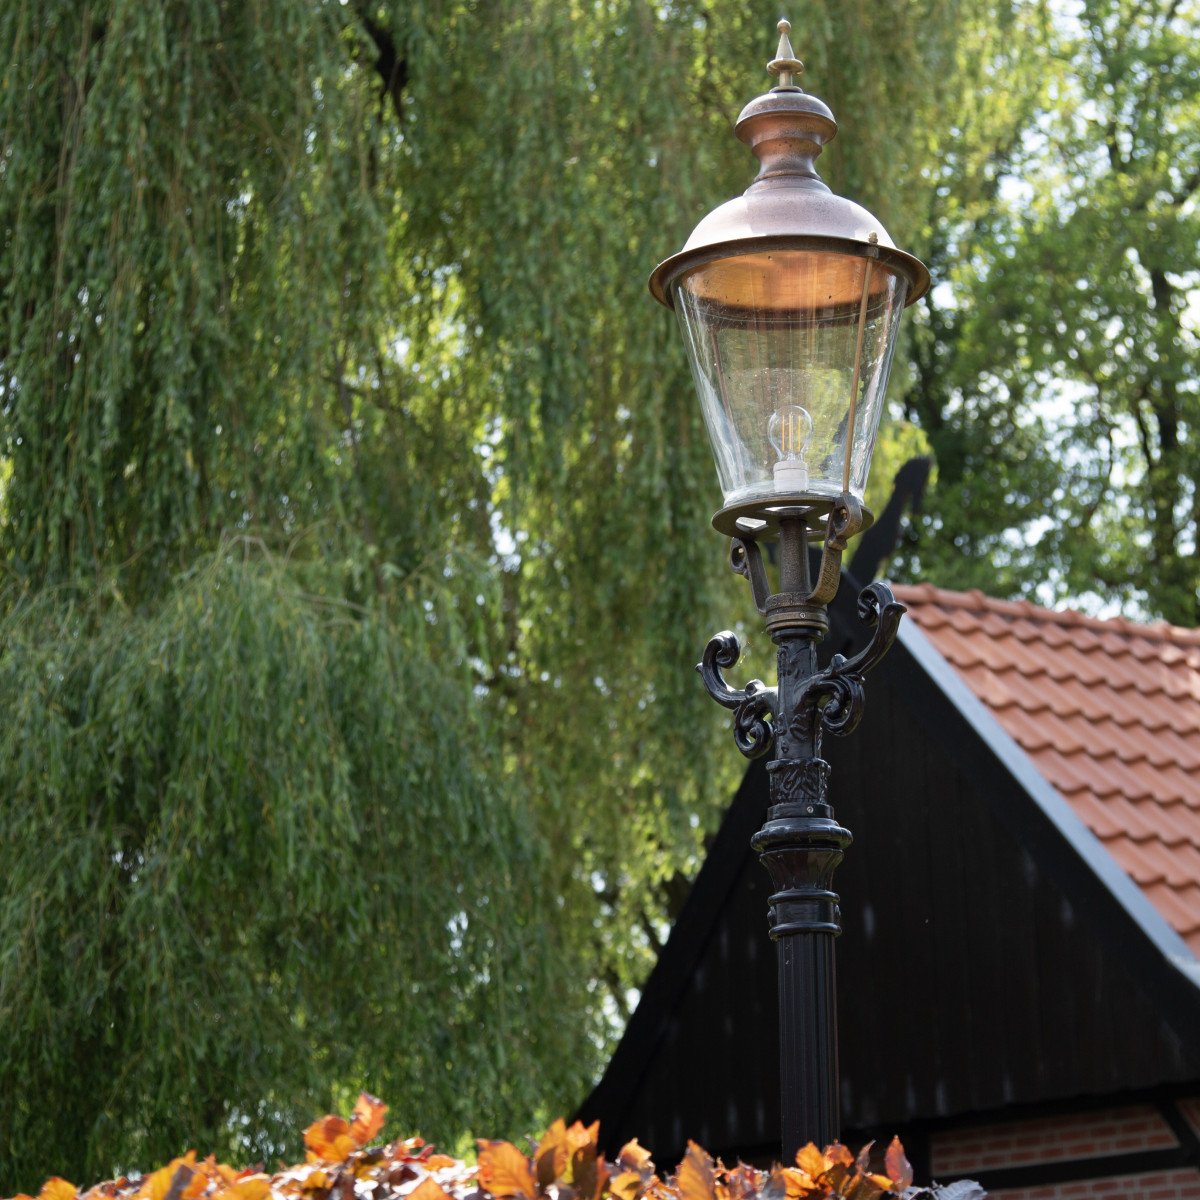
{"points": [[790, 351]]}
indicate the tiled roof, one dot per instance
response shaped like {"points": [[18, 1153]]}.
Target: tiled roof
{"points": [[1109, 712]]}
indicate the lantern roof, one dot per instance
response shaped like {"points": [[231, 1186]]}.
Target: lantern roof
{"points": [[788, 206]]}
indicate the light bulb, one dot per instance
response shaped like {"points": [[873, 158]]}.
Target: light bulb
{"points": [[789, 431]]}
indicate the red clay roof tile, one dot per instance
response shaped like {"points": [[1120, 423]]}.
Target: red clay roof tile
{"points": [[1108, 711]]}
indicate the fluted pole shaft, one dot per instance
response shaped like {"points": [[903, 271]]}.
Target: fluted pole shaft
{"points": [[808, 1051]]}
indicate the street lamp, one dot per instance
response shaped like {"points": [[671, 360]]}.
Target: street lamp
{"points": [[789, 299]]}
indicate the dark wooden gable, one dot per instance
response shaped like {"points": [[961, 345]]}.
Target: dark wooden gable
{"points": [[993, 954]]}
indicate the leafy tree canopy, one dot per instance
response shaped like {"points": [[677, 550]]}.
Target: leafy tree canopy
{"points": [[354, 519], [1057, 366]]}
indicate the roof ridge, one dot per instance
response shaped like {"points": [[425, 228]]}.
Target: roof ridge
{"points": [[978, 601]]}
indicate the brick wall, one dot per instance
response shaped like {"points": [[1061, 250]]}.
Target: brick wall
{"points": [[1049, 1139], [1065, 1138], [1162, 1185]]}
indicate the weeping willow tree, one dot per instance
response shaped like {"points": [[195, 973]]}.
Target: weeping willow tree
{"points": [[353, 539]]}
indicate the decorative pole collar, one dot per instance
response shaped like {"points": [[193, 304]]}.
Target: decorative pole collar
{"points": [[785, 64]]}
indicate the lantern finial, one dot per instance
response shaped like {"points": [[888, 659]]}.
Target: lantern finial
{"points": [[785, 64]]}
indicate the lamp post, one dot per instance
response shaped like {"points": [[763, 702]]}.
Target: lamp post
{"points": [[789, 299]]}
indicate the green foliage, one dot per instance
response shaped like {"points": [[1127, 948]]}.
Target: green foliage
{"points": [[355, 506], [250, 800], [236, 868], [1057, 370]]}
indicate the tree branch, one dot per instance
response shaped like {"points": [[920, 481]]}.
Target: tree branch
{"points": [[1143, 430], [389, 66]]}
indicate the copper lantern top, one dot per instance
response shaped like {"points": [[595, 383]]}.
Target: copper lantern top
{"points": [[787, 207], [789, 301]]}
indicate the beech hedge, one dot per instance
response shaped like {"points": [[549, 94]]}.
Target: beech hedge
{"points": [[565, 1164]]}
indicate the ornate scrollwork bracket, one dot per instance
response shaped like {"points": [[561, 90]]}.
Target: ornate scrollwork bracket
{"points": [[835, 696], [831, 700], [753, 706]]}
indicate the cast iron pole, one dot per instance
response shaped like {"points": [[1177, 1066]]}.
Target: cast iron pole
{"points": [[802, 843]]}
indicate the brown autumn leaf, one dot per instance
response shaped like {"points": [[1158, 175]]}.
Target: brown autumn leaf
{"points": [[184, 1177], [329, 1140], [798, 1185], [588, 1171], [158, 1184], [222, 1174], [626, 1185], [198, 1184], [428, 1189], [863, 1159], [812, 1162], [868, 1187], [367, 1119], [837, 1179], [634, 1157], [552, 1154], [57, 1188], [398, 1174], [775, 1187], [839, 1154], [899, 1169], [504, 1170], [253, 1187], [153, 1186], [696, 1179], [435, 1162], [581, 1136], [743, 1182], [841, 1169]]}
